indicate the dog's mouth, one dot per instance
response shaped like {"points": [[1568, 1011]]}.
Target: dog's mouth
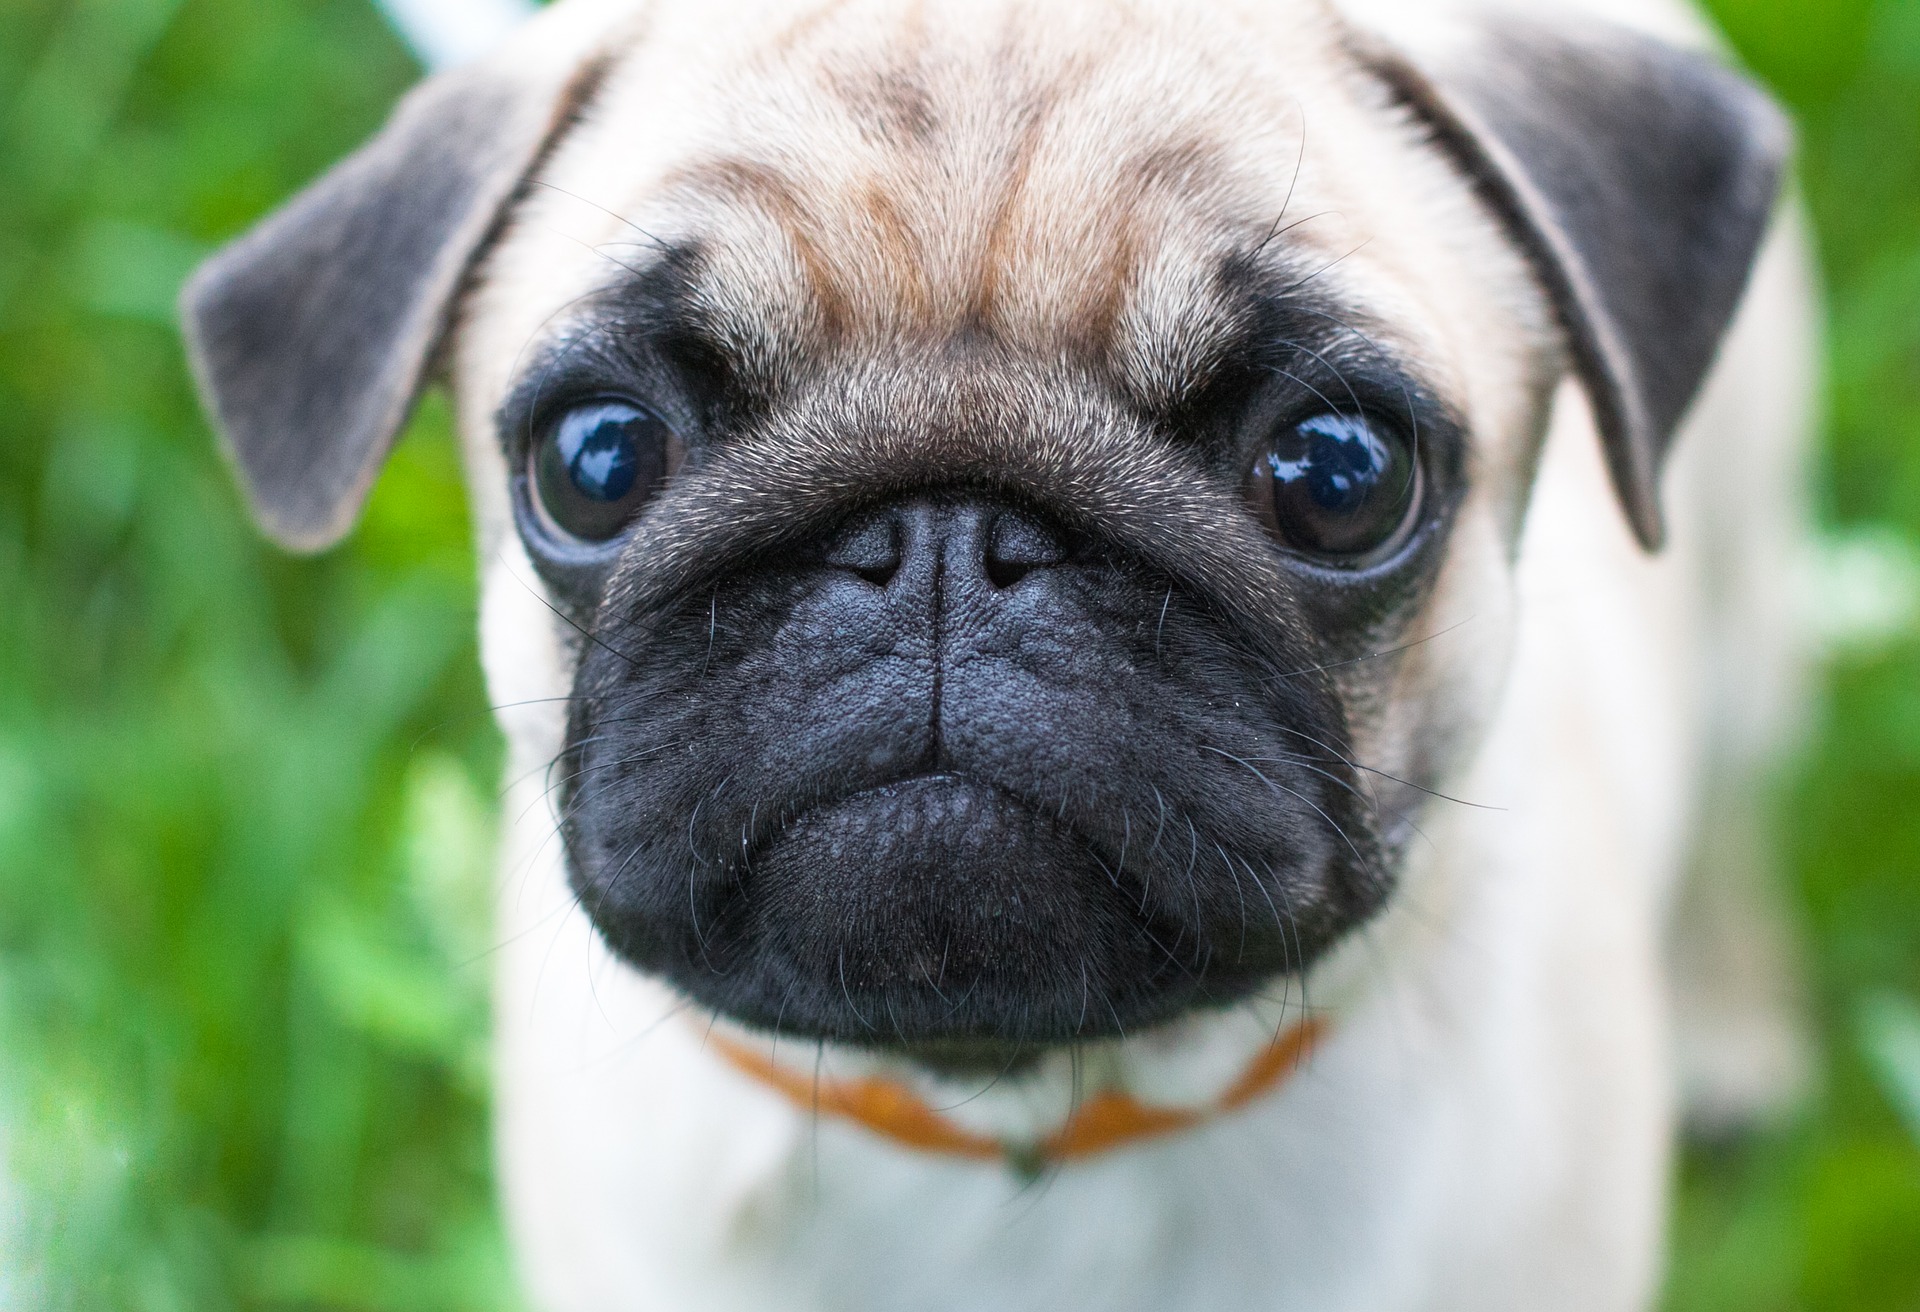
{"points": [[945, 916], [960, 925], [973, 912]]}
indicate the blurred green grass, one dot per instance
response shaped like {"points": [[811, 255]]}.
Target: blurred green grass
{"points": [[245, 800]]}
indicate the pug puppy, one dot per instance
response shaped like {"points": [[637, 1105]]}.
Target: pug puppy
{"points": [[1098, 717]]}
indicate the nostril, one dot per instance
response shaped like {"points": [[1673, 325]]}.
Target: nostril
{"points": [[870, 549], [1016, 546]]}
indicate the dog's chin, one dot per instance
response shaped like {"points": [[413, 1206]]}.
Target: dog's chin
{"points": [[943, 918]]}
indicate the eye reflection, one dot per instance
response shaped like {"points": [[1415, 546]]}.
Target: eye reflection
{"points": [[1335, 485], [599, 464]]}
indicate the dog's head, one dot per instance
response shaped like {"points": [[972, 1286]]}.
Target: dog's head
{"points": [[993, 470]]}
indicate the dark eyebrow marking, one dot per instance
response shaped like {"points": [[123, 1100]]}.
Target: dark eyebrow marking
{"points": [[1272, 329], [611, 333], [766, 189]]}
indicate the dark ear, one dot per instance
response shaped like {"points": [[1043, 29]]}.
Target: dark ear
{"points": [[1639, 178], [311, 335]]}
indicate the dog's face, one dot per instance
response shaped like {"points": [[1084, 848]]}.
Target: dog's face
{"points": [[990, 479], [987, 522]]}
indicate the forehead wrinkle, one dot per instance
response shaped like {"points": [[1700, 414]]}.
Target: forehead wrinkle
{"points": [[1176, 309], [1177, 323], [1050, 261], [928, 189], [996, 247], [740, 183], [890, 98], [1003, 149]]}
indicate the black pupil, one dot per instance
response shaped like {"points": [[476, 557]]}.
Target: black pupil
{"points": [[1339, 487], [599, 464]]}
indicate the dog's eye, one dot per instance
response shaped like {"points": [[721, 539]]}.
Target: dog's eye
{"points": [[599, 463], [1341, 486]]}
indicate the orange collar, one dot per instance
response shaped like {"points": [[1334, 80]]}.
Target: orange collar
{"points": [[1106, 1121]]}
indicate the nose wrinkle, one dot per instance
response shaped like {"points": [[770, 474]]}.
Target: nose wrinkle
{"points": [[936, 742], [945, 571], [942, 555]]}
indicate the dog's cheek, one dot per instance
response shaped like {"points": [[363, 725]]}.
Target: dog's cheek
{"points": [[488, 480], [527, 664], [1420, 717], [658, 737]]}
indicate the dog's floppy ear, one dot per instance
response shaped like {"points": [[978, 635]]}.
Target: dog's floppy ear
{"points": [[1639, 178], [311, 335]]}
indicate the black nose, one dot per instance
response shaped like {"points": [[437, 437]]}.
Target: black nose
{"points": [[959, 543]]}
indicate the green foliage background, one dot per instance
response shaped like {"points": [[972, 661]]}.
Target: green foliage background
{"points": [[246, 801]]}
